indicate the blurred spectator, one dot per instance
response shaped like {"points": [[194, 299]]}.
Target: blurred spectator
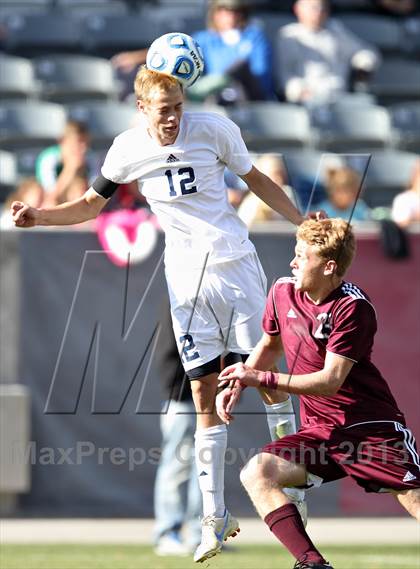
{"points": [[75, 189], [237, 56], [128, 61], [402, 8], [175, 508], [236, 188], [343, 188], [58, 165], [317, 55], [253, 209], [126, 65], [406, 206], [29, 191]]}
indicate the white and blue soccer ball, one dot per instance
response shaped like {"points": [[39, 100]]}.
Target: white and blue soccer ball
{"points": [[178, 55]]}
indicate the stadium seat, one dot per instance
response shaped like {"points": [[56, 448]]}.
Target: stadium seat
{"points": [[380, 31], [66, 78], [321, 112], [106, 35], [388, 173], [17, 78], [14, 8], [205, 108], [265, 125], [81, 8], [188, 16], [396, 80], [8, 173], [306, 163], [411, 35], [406, 118], [105, 120], [36, 34], [343, 129], [306, 170], [33, 123], [354, 100], [26, 3]]}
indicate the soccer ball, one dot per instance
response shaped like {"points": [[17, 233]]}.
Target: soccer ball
{"points": [[178, 55]]}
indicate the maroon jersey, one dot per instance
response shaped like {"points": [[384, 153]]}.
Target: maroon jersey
{"points": [[344, 323]]}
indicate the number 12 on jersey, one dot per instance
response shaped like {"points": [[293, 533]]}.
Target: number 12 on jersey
{"points": [[186, 179]]}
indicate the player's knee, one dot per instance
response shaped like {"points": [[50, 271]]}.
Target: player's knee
{"points": [[250, 472], [259, 468], [416, 511]]}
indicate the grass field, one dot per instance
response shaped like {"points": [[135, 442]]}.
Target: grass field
{"points": [[243, 557]]}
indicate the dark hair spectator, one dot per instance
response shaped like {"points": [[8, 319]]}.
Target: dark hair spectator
{"points": [[58, 165]]}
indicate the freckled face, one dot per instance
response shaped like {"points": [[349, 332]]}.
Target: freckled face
{"points": [[307, 267]]}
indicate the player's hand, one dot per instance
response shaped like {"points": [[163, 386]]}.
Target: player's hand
{"points": [[239, 374], [24, 215], [317, 215], [226, 401]]}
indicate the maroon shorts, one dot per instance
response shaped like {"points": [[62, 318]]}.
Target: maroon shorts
{"points": [[379, 455]]}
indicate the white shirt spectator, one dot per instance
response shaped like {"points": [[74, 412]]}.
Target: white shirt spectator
{"points": [[406, 207], [315, 64]]}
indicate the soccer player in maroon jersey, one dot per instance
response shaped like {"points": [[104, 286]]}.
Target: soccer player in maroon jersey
{"points": [[351, 424]]}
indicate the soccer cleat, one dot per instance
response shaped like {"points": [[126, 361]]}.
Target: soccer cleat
{"points": [[214, 531], [170, 544], [311, 565]]}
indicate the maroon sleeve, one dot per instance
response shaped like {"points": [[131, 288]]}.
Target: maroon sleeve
{"points": [[354, 327], [270, 321]]}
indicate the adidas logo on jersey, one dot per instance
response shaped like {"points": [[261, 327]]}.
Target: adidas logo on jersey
{"points": [[291, 314], [172, 158], [409, 477]]}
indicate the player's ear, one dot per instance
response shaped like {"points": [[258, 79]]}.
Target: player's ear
{"points": [[140, 105], [330, 267]]}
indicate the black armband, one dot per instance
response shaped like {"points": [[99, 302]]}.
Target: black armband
{"points": [[104, 187]]}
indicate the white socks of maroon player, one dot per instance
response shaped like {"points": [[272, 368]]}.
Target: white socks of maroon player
{"points": [[281, 421], [210, 449]]}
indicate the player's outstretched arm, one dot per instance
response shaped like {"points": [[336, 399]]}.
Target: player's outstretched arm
{"points": [[276, 198], [272, 195], [79, 210], [325, 382]]}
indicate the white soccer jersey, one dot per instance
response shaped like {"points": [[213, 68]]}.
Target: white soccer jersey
{"points": [[184, 185]]}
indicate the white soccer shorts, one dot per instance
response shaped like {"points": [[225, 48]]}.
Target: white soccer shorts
{"points": [[221, 314]]}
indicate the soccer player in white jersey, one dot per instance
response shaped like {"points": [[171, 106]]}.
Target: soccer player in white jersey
{"points": [[216, 284]]}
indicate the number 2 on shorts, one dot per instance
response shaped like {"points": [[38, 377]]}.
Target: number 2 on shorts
{"points": [[188, 348]]}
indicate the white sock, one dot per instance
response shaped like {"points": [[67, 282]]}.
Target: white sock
{"points": [[210, 449], [281, 421]]}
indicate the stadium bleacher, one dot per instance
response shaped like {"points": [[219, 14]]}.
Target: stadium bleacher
{"points": [[54, 64], [67, 78], [17, 78], [8, 173], [105, 119], [267, 124]]}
